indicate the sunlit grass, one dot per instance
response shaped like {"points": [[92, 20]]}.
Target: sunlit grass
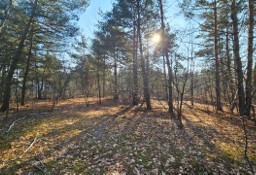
{"points": [[133, 134]]}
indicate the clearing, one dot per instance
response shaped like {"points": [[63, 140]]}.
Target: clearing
{"points": [[116, 138]]}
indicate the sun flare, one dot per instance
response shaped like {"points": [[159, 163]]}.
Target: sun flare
{"points": [[156, 38]]}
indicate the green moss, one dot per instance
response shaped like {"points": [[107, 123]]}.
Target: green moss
{"points": [[4, 144], [231, 153], [79, 167]]}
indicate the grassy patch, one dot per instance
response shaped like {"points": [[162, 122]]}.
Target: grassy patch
{"points": [[231, 153], [87, 141]]}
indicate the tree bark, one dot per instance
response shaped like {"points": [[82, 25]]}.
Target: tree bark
{"points": [[229, 76], [217, 67], [165, 86], [40, 89], [115, 76], [143, 66], [16, 58], [104, 77], [170, 88], [237, 58], [23, 90], [135, 100], [250, 58], [192, 78], [3, 74], [147, 59], [98, 79], [169, 67]]}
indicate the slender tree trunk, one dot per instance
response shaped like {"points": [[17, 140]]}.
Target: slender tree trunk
{"points": [[98, 80], [192, 82], [135, 65], [148, 66], [62, 89], [229, 72], [237, 58], [169, 67], [1, 68], [16, 58], [104, 78], [115, 76], [250, 58], [40, 89], [147, 59], [41, 86], [170, 88], [165, 86], [182, 92], [23, 90], [36, 79], [192, 71], [217, 67], [2, 83], [143, 66]]}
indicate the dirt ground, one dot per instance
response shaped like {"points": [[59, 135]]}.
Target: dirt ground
{"points": [[116, 138]]}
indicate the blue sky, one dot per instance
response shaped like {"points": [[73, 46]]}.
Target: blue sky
{"points": [[174, 17], [89, 19]]}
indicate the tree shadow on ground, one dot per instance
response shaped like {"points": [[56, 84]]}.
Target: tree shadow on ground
{"points": [[203, 138], [111, 139], [96, 124]]}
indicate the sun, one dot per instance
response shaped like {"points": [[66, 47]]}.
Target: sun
{"points": [[156, 38]]}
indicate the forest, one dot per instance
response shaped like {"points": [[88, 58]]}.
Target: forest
{"points": [[141, 96]]}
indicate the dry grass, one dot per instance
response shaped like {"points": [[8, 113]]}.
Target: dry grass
{"points": [[117, 138]]}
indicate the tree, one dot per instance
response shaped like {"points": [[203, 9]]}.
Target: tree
{"points": [[216, 52], [237, 58], [5, 15], [166, 54], [13, 66], [229, 88], [96, 47], [180, 81], [109, 42], [142, 59], [26, 71], [55, 23], [249, 88]]}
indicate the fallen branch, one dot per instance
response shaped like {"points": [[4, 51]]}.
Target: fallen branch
{"points": [[30, 146], [11, 126]]}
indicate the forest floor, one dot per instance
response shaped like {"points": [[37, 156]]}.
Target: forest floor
{"points": [[116, 138]]}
